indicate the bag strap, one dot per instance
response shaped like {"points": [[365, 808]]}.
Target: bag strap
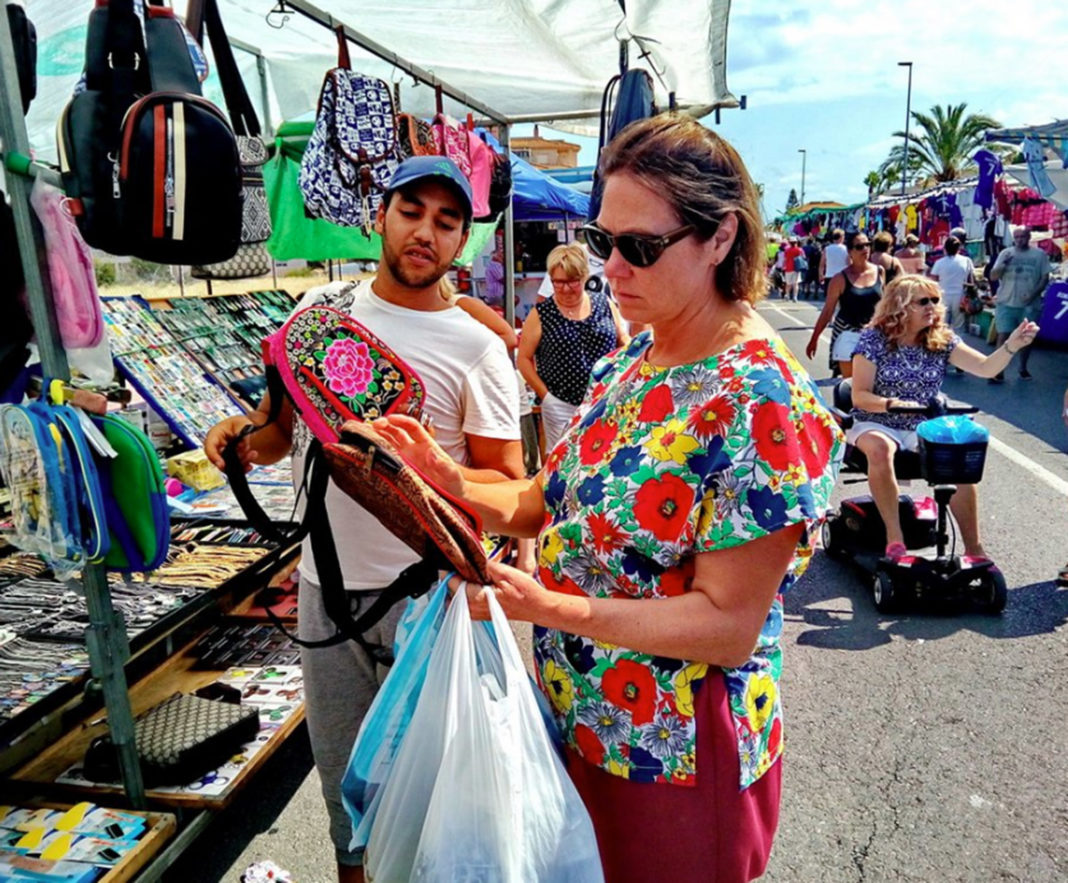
{"points": [[238, 104], [414, 580], [115, 60], [170, 66], [343, 59]]}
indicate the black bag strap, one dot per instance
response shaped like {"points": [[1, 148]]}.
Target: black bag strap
{"points": [[170, 68], [199, 14], [115, 58], [415, 580]]}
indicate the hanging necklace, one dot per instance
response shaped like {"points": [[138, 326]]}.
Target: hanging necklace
{"points": [[573, 313]]}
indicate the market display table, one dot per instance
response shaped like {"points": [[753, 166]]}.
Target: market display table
{"points": [[56, 770]]}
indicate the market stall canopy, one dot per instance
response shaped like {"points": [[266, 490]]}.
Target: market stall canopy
{"points": [[547, 58], [1052, 135], [1058, 176]]}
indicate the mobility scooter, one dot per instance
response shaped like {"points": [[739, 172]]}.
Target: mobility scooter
{"points": [[856, 531]]}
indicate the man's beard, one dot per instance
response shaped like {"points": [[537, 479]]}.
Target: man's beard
{"points": [[419, 279]]}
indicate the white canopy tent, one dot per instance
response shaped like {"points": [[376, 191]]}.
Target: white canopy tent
{"points": [[525, 59]]}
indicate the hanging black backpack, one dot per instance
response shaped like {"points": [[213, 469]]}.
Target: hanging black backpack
{"points": [[24, 43], [627, 98], [151, 166]]}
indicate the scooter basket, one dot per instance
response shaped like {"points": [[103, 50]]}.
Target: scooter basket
{"points": [[952, 463]]}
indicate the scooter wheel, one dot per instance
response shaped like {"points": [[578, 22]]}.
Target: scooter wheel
{"points": [[884, 592], [993, 592], [832, 549]]}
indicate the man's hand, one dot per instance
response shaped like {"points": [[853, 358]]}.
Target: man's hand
{"points": [[221, 434]]}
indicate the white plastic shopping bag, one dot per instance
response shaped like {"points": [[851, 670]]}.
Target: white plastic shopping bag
{"points": [[477, 791]]}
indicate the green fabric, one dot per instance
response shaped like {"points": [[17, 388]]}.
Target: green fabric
{"points": [[476, 242], [294, 235], [137, 485]]}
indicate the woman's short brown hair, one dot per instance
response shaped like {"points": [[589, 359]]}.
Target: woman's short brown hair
{"points": [[891, 313], [703, 179], [882, 241], [571, 259]]}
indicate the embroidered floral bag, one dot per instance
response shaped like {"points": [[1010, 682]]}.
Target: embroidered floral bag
{"points": [[333, 370], [414, 137]]}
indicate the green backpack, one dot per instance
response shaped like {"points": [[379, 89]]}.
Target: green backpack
{"points": [[135, 498]]}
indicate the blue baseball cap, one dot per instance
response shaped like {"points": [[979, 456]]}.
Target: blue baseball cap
{"points": [[419, 168]]}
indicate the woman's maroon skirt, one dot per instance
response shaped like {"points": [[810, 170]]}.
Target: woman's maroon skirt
{"points": [[710, 833]]}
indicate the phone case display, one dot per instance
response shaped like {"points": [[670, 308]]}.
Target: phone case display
{"points": [[43, 620], [277, 691], [244, 642], [81, 844], [271, 485], [164, 372], [225, 332]]}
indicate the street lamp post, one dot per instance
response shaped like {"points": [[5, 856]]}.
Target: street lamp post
{"points": [[804, 156], [908, 114]]}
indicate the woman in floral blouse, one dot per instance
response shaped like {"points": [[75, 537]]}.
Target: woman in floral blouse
{"points": [[670, 520]]}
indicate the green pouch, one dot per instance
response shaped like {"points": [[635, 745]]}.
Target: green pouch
{"points": [[135, 499]]}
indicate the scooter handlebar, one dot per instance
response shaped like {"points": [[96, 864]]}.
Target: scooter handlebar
{"points": [[934, 408]]}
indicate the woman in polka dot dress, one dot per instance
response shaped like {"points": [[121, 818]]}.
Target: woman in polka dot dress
{"points": [[563, 337]]}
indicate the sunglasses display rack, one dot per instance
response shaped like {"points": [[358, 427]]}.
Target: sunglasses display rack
{"points": [[43, 621], [164, 372], [224, 332]]}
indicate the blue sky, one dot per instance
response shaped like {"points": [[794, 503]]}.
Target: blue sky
{"points": [[825, 77]]}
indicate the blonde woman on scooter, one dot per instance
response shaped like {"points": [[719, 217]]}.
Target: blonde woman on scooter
{"points": [[901, 359]]}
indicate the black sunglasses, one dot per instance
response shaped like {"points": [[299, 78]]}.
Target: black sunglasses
{"points": [[925, 301], [640, 251], [857, 246]]}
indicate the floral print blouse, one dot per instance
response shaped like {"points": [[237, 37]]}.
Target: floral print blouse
{"points": [[659, 465]]}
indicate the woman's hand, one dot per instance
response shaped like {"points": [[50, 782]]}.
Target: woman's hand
{"points": [[810, 348], [519, 594], [417, 446], [221, 434], [1023, 335]]}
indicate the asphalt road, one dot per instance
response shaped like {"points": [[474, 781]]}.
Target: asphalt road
{"points": [[922, 746]]}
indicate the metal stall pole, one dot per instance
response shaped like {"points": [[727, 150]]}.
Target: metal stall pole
{"points": [[105, 636], [508, 258]]}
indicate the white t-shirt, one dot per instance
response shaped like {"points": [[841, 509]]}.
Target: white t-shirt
{"points": [[952, 272], [837, 258], [470, 389]]}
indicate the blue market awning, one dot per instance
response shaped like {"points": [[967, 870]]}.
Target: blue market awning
{"points": [[538, 197]]}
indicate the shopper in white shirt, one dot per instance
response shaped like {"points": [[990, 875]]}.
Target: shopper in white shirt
{"points": [[952, 272], [835, 257], [472, 397]]}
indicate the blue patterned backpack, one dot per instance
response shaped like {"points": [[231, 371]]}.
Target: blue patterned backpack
{"points": [[353, 150]]}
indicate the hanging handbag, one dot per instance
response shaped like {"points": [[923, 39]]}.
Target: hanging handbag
{"points": [[178, 741], [252, 258], [450, 139], [70, 269], [352, 153], [24, 44], [414, 137]]}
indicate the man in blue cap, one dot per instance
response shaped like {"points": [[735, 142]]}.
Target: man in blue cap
{"points": [[472, 398]]}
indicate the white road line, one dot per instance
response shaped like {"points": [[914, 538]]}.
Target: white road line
{"points": [[794, 319], [1040, 472]]}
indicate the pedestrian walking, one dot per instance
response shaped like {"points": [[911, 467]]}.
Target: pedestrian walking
{"points": [[1022, 273]]}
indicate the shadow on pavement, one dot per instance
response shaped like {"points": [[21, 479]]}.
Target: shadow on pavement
{"points": [[1034, 609], [254, 811]]}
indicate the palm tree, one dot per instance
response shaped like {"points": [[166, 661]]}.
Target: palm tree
{"points": [[882, 180], [941, 143]]}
